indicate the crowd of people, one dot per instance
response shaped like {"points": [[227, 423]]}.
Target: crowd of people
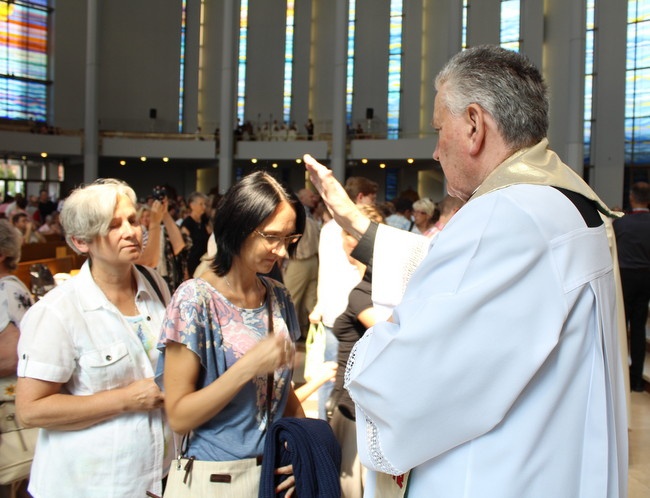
{"points": [[475, 339]]}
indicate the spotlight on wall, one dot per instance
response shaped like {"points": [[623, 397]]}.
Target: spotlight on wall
{"points": [[122, 162], [298, 160], [43, 155], [410, 160], [143, 158], [275, 165], [382, 165], [165, 159], [254, 161], [364, 161]]}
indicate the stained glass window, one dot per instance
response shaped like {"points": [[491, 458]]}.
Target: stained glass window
{"points": [[589, 81], [510, 14], [241, 73], [288, 60], [349, 80], [637, 86], [181, 89], [464, 29], [394, 68], [23, 59]]}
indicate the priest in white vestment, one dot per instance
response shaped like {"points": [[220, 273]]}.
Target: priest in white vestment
{"points": [[499, 373]]}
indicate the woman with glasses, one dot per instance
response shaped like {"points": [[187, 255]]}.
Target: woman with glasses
{"points": [[221, 357]]}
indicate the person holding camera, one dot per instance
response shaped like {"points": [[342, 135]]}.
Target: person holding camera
{"points": [[162, 242]]}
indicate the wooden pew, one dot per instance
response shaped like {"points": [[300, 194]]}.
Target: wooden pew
{"points": [[41, 250], [56, 265]]}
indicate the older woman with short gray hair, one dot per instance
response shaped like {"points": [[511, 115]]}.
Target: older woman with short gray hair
{"points": [[87, 358]]}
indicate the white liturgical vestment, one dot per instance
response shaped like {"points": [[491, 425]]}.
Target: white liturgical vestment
{"points": [[500, 375]]}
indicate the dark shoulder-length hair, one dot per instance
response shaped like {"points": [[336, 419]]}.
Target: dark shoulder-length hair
{"points": [[242, 209]]}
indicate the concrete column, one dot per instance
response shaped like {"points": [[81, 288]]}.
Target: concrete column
{"points": [[443, 23], [564, 71], [229, 57], [91, 126], [483, 22], [531, 31], [338, 157], [608, 129]]}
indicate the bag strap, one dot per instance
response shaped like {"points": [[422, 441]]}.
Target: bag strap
{"points": [[152, 281], [270, 380]]}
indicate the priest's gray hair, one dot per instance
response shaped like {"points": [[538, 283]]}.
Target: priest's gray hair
{"points": [[504, 83], [88, 211]]}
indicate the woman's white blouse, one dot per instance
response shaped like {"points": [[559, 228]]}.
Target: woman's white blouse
{"points": [[76, 337]]}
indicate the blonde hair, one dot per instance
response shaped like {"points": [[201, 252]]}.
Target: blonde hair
{"points": [[372, 213]]}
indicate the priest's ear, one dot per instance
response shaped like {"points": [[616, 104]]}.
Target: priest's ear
{"points": [[476, 120]]}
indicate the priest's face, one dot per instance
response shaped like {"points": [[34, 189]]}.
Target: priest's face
{"points": [[452, 149]]}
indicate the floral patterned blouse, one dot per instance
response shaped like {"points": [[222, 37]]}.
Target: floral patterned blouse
{"points": [[220, 333], [15, 300]]}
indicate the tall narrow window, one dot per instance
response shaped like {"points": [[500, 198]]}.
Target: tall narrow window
{"points": [[637, 89], [589, 83], [464, 28], [23, 59], [349, 80], [241, 69], [181, 87], [394, 68], [288, 61], [510, 23]]}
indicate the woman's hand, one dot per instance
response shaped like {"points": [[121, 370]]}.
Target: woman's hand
{"points": [[271, 353], [143, 395], [289, 484], [315, 316], [42, 404]]}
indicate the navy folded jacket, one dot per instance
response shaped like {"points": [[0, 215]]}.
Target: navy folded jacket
{"points": [[314, 453]]}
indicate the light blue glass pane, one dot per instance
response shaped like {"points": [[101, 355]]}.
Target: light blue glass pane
{"points": [[631, 47], [464, 27], [589, 52], [396, 8], [641, 92], [629, 130], [641, 129], [22, 100], [351, 33], [510, 18], [630, 94], [588, 104], [514, 46], [641, 152], [638, 10], [590, 14], [643, 44]]}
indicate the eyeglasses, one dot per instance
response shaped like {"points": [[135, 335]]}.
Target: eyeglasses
{"points": [[276, 240]]}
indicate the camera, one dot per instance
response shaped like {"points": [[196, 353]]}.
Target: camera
{"points": [[159, 193]]}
